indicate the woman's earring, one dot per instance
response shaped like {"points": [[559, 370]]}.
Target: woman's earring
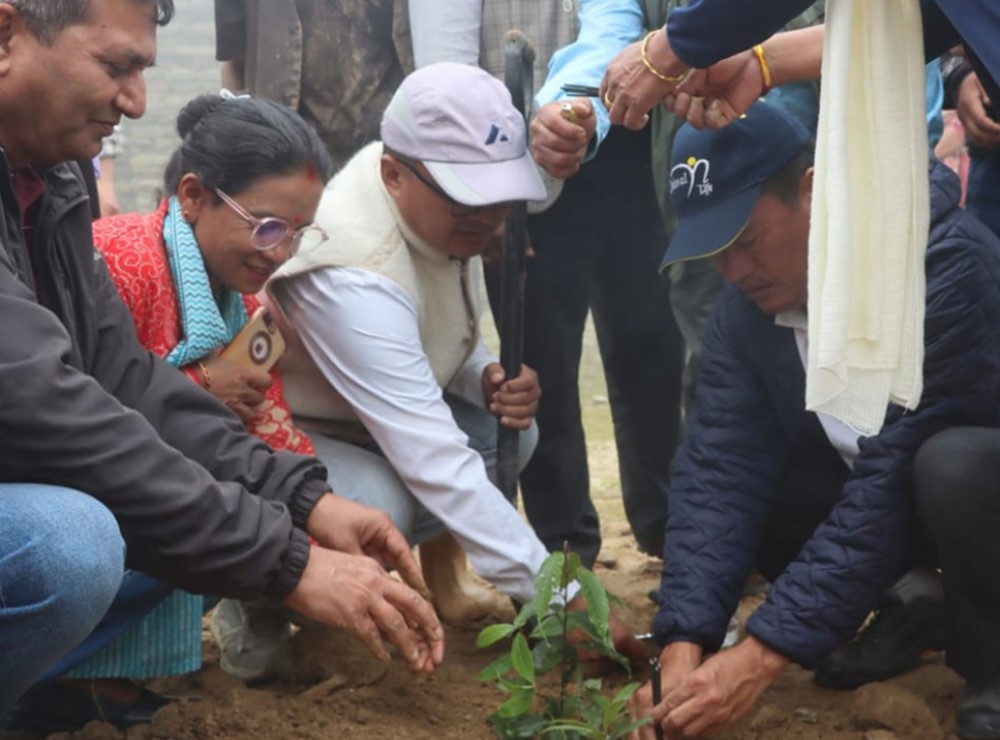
{"points": [[186, 215]]}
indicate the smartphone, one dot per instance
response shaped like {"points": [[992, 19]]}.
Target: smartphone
{"points": [[259, 344]]}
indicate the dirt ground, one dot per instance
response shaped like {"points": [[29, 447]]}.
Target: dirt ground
{"points": [[332, 689]]}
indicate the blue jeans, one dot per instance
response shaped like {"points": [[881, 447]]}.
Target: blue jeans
{"points": [[64, 592], [62, 559]]}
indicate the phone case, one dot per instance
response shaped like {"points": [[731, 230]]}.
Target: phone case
{"points": [[259, 344]]}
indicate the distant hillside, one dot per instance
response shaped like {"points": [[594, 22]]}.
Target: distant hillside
{"points": [[185, 67]]}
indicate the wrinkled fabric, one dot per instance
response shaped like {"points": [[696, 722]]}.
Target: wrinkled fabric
{"points": [[750, 421]]}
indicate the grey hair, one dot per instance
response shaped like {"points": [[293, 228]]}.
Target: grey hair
{"points": [[46, 18]]}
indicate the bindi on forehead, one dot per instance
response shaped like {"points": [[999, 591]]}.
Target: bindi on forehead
{"points": [[311, 174], [298, 220]]}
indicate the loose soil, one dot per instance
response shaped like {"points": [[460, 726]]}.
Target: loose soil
{"points": [[332, 689]]}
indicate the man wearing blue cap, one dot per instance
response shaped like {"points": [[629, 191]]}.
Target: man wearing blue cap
{"points": [[762, 483]]}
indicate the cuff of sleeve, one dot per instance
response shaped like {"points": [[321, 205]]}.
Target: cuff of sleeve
{"points": [[293, 562], [601, 132], [758, 625], [664, 634], [307, 494]]}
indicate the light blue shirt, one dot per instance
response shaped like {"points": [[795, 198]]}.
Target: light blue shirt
{"points": [[606, 27]]}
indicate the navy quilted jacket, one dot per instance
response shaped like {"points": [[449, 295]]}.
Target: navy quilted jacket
{"points": [[750, 421]]}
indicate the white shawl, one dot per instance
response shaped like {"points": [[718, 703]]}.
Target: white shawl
{"points": [[870, 215]]}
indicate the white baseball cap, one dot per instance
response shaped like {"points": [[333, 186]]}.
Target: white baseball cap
{"points": [[459, 121]]}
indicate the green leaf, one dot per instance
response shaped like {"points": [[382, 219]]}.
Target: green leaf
{"points": [[547, 654], [520, 655], [546, 583], [548, 626], [572, 568], [626, 691], [597, 603], [494, 633], [518, 704], [513, 685], [569, 725], [619, 732], [525, 727], [499, 667]]}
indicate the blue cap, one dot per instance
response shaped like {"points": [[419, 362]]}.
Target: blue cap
{"points": [[716, 177]]}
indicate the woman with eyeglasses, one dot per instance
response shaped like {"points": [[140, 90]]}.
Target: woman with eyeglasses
{"points": [[242, 189]]}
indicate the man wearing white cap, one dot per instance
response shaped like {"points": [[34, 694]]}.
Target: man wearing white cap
{"points": [[388, 371]]}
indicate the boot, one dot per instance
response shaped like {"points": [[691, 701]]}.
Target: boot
{"points": [[458, 597]]}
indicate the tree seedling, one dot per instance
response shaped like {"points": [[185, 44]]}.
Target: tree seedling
{"points": [[545, 637]]}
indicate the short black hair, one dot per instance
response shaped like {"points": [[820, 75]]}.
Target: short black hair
{"points": [[784, 184], [229, 143], [46, 18]]}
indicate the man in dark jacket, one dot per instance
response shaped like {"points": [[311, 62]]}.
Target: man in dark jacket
{"points": [[762, 483], [109, 458]]}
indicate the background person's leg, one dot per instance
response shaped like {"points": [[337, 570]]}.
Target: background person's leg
{"points": [[61, 564], [957, 475], [480, 426], [641, 348]]}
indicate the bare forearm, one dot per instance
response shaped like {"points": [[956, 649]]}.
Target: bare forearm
{"points": [[795, 56]]}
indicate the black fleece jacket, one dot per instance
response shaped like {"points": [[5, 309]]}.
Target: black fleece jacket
{"points": [[201, 503]]}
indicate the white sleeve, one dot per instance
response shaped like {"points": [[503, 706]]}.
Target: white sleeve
{"points": [[445, 31], [362, 332], [468, 381]]}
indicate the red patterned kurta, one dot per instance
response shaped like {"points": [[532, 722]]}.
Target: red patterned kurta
{"points": [[132, 245]]}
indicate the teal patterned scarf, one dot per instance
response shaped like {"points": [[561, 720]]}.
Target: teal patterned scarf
{"points": [[205, 324]]}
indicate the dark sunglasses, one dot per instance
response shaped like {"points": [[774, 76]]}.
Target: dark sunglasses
{"points": [[268, 233]]}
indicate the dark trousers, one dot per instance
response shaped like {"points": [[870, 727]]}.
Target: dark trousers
{"points": [[957, 474], [598, 248], [956, 528]]}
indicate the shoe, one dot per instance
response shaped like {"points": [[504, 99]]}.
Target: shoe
{"points": [[55, 707], [251, 636], [890, 644], [978, 716]]}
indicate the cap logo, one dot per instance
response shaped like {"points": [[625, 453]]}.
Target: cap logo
{"points": [[691, 174], [496, 135]]}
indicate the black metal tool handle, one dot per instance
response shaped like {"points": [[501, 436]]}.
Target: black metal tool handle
{"points": [[519, 59], [654, 677]]}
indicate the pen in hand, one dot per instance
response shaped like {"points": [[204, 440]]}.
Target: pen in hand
{"points": [[581, 91]]}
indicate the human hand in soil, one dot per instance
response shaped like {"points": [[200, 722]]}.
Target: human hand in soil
{"points": [[239, 387], [622, 637], [720, 691], [513, 401], [344, 525], [678, 661], [356, 593]]}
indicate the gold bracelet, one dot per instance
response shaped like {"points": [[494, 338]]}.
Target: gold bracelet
{"points": [[206, 377], [644, 53], [765, 68]]}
